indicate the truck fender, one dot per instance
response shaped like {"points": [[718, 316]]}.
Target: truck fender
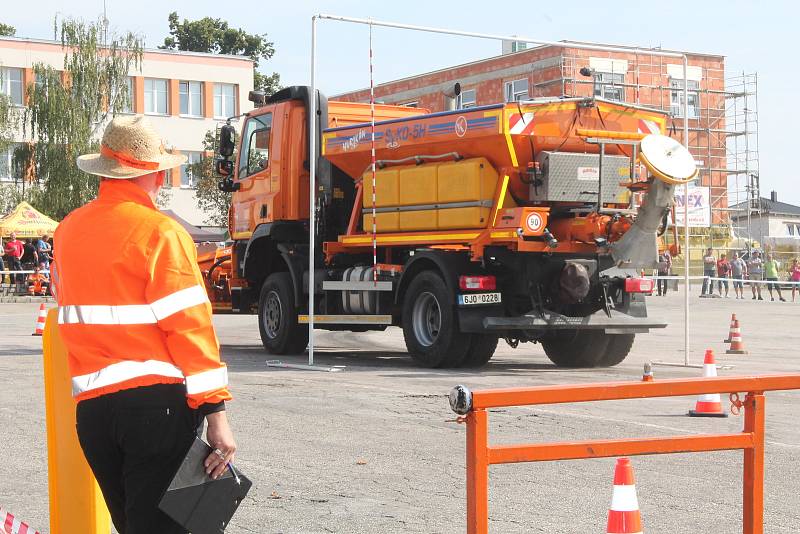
{"points": [[448, 264], [266, 253]]}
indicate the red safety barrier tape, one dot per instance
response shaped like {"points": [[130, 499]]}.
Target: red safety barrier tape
{"points": [[12, 525]]}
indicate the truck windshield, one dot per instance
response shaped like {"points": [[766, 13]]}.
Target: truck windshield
{"points": [[255, 146]]}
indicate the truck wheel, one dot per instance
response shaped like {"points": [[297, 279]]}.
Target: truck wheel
{"points": [[277, 317], [430, 325], [619, 345], [576, 348], [480, 351]]}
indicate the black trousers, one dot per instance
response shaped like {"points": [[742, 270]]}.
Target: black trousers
{"points": [[134, 441]]}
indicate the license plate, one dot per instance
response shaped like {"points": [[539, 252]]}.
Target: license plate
{"points": [[471, 299]]}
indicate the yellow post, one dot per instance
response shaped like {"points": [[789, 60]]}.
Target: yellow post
{"points": [[76, 504]]}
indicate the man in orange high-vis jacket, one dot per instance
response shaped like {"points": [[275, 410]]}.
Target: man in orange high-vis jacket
{"points": [[136, 321]]}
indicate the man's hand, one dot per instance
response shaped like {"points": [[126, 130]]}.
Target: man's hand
{"points": [[220, 438]]}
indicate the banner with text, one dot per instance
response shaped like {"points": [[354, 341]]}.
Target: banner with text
{"points": [[699, 206]]}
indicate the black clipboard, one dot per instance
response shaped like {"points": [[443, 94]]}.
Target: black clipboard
{"points": [[199, 503]]}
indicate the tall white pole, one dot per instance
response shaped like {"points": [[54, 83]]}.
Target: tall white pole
{"points": [[686, 217], [312, 188]]}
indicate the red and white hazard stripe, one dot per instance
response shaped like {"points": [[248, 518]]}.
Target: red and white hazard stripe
{"points": [[373, 162], [520, 124], [12, 525], [649, 127]]}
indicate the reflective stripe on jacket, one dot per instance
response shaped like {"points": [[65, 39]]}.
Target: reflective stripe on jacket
{"points": [[133, 310]]}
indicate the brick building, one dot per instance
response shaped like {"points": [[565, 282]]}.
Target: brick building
{"points": [[548, 71]]}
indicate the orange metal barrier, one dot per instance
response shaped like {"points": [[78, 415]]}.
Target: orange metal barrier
{"points": [[480, 455]]}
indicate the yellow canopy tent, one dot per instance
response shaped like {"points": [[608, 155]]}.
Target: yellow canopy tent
{"points": [[26, 221]]}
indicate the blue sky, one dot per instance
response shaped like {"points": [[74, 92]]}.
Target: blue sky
{"points": [[754, 37]]}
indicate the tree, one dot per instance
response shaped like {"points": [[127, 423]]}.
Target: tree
{"points": [[213, 202], [214, 36], [7, 30], [67, 111]]}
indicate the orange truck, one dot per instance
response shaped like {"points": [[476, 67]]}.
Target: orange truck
{"points": [[505, 221]]}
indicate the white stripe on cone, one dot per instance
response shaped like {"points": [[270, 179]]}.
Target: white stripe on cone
{"points": [[624, 499]]}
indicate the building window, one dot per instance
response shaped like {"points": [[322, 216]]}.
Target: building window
{"points": [[188, 178], [466, 99], [255, 145], [124, 101], [11, 84], [191, 98], [516, 90], [155, 96], [224, 100], [413, 104], [676, 98], [8, 171], [608, 85]]}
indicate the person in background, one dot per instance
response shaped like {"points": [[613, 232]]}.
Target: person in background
{"points": [[755, 267], [723, 271], [2, 261], [45, 250], [738, 273], [14, 250], [794, 276], [771, 267], [709, 272], [664, 268], [29, 259]]}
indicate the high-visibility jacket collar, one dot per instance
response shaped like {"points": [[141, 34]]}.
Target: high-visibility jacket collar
{"points": [[123, 191]]}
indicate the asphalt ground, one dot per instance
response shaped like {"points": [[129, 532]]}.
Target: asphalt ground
{"points": [[372, 449]]}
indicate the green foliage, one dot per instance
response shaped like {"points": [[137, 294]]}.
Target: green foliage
{"points": [[214, 36], [213, 202], [67, 112], [7, 30]]}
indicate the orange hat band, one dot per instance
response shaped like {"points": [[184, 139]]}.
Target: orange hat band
{"points": [[125, 159]]}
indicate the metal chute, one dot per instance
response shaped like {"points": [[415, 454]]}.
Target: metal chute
{"points": [[671, 164]]}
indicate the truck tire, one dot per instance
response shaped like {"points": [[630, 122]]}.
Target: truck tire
{"points": [[576, 348], [619, 345], [480, 350], [277, 317], [430, 323]]}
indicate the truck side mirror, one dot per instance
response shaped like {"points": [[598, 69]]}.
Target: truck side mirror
{"points": [[227, 185], [224, 167], [227, 140]]}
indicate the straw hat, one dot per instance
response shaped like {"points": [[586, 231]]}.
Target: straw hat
{"points": [[130, 148]]}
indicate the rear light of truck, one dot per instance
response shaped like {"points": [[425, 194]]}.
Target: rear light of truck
{"points": [[477, 283], [639, 285]]}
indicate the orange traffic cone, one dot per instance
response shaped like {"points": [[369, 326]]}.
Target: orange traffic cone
{"points": [[708, 405], [730, 329], [623, 515], [647, 376], [737, 345], [40, 321]]}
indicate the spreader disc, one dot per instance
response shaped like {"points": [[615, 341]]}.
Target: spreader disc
{"points": [[667, 159]]}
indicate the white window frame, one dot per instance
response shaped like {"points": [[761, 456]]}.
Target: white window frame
{"points": [[221, 99], [7, 164], [193, 98], [414, 104], [514, 93], [152, 92], [676, 98], [467, 99], [193, 157], [8, 83], [610, 84]]}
